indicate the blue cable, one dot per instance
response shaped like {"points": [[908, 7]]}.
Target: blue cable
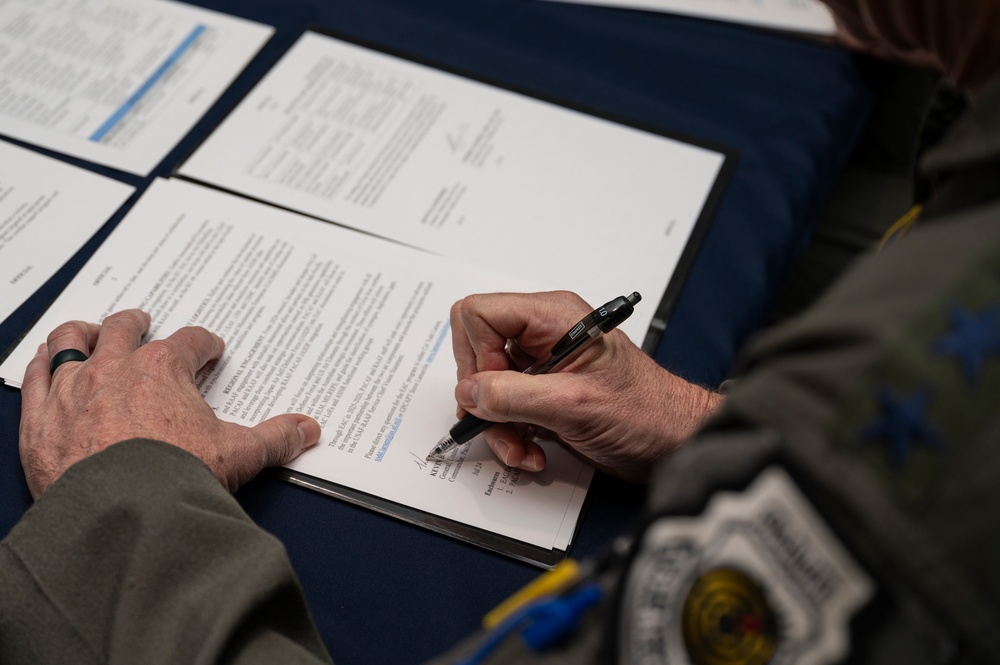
{"points": [[545, 622]]}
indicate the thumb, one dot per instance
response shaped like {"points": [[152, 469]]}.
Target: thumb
{"points": [[282, 438], [506, 396]]}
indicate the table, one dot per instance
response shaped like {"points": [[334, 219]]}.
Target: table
{"points": [[382, 591]]}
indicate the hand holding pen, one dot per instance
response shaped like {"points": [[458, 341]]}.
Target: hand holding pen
{"points": [[611, 403], [602, 320]]}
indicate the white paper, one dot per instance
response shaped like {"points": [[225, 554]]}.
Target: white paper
{"points": [[347, 328], [463, 169], [48, 210], [807, 16], [116, 82]]}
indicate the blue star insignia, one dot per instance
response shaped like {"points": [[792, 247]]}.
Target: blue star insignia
{"points": [[971, 338], [901, 423]]}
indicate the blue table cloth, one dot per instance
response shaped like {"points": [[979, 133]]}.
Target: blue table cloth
{"points": [[383, 591]]}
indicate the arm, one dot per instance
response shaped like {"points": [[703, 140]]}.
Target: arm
{"points": [[134, 551], [138, 555], [613, 404]]}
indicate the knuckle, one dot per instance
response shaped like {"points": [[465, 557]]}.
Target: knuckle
{"points": [[70, 329], [271, 445], [586, 409], [100, 366], [574, 395], [118, 318], [495, 399], [161, 353], [570, 301], [277, 442], [193, 337], [129, 322], [471, 305], [195, 330], [281, 453]]}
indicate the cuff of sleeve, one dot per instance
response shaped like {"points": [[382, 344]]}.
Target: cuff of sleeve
{"points": [[129, 479], [139, 549], [145, 460]]}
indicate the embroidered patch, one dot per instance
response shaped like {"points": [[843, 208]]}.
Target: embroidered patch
{"points": [[727, 619], [758, 578], [901, 424], [932, 391], [972, 338]]}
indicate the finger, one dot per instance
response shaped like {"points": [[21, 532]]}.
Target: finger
{"points": [[192, 347], [513, 449], [535, 320], [249, 450], [547, 401], [283, 438], [488, 322], [465, 356], [122, 333], [518, 358], [78, 335], [35, 386]]}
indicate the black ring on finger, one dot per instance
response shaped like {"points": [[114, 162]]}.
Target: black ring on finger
{"points": [[66, 356]]}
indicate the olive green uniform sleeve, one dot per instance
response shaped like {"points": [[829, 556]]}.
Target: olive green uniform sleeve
{"points": [[138, 555], [885, 397], [887, 391]]}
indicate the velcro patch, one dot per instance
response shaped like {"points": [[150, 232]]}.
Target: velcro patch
{"points": [[758, 578]]}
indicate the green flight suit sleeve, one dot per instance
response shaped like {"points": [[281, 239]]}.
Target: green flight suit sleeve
{"points": [[138, 555]]}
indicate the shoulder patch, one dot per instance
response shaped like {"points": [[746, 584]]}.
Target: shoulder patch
{"points": [[758, 578]]}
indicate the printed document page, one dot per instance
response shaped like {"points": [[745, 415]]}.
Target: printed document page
{"points": [[116, 82], [48, 210], [350, 329], [806, 16], [466, 170]]}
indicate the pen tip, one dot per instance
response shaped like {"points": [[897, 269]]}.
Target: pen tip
{"points": [[443, 446]]}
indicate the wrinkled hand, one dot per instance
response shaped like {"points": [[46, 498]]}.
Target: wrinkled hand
{"points": [[127, 389], [612, 404]]}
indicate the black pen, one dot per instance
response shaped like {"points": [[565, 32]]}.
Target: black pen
{"points": [[602, 320]]}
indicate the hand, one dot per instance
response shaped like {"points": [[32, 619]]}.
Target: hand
{"points": [[127, 390], [612, 404]]}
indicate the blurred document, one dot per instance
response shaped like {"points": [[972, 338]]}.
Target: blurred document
{"points": [[350, 329], [466, 170], [116, 82], [48, 210], [807, 16]]}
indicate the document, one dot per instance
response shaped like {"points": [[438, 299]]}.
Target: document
{"points": [[805, 16], [420, 187], [48, 210], [116, 82], [466, 170], [345, 327]]}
